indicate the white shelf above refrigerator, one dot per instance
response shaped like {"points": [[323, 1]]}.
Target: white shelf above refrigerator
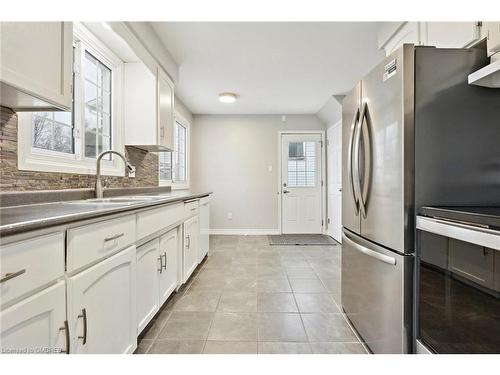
{"points": [[489, 76]]}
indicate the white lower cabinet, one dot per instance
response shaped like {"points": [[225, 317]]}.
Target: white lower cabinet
{"points": [[102, 306], [204, 228], [169, 246], [191, 230], [149, 266], [156, 275], [36, 324]]}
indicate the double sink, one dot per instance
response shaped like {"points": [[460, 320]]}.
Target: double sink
{"points": [[128, 200]]}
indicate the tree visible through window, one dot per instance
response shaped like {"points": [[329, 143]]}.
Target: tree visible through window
{"points": [[173, 165], [54, 131]]}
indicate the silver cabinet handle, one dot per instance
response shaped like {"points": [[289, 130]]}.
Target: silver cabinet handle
{"points": [[188, 242], [371, 253], [350, 161], [65, 328], [160, 270], [286, 191], [193, 209], [114, 237], [11, 275], [83, 315], [164, 265], [162, 132]]}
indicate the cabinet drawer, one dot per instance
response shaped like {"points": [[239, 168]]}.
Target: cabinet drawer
{"points": [[151, 221], [191, 208], [37, 262], [92, 242]]}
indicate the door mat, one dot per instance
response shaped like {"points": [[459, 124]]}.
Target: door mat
{"points": [[301, 240]]}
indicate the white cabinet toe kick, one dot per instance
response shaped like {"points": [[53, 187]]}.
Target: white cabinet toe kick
{"points": [[93, 286]]}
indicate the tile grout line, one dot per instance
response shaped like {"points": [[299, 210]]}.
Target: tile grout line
{"points": [[300, 315], [211, 323]]}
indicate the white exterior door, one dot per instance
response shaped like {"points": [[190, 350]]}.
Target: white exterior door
{"points": [[301, 183], [334, 173]]}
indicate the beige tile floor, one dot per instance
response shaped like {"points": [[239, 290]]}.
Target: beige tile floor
{"points": [[249, 297]]}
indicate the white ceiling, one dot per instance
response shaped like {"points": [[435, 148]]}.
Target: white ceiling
{"points": [[275, 67]]}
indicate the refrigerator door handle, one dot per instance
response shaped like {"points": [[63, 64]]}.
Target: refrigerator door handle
{"points": [[371, 253], [357, 177], [363, 191], [350, 161]]}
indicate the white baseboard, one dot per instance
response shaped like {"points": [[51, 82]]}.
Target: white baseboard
{"points": [[244, 232]]}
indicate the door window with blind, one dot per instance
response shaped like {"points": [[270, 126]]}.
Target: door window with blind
{"points": [[301, 164], [174, 165], [71, 141]]}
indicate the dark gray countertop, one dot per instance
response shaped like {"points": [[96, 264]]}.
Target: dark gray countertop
{"points": [[17, 219]]}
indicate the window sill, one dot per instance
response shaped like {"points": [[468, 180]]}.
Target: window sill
{"points": [[174, 186], [63, 165]]}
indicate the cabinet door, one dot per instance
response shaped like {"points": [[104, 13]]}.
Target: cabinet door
{"points": [[165, 111], [36, 65], [149, 266], [169, 245], [471, 261], [410, 32], [102, 308], [204, 228], [190, 249], [36, 324], [451, 34]]}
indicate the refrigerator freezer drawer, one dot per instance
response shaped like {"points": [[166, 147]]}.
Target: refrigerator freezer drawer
{"points": [[376, 294]]}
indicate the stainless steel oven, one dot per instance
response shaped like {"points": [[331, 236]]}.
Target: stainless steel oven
{"points": [[458, 286]]}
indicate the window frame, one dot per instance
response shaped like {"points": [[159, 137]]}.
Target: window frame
{"points": [[184, 184], [35, 159]]}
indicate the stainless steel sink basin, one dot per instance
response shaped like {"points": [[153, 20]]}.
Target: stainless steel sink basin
{"points": [[120, 200]]}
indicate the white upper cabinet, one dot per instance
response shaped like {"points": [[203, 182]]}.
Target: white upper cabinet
{"points": [[451, 34], [148, 108], [36, 60], [491, 31], [408, 32], [437, 34], [165, 110]]}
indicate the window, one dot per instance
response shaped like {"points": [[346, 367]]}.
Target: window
{"points": [[174, 166], [97, 96], [71, 141], [301, 164]]}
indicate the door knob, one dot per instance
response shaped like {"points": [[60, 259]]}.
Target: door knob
{"points": [[340, 189], [286, 191]]}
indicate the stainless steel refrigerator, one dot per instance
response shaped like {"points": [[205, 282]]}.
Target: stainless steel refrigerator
{"points": [[406, 129]]}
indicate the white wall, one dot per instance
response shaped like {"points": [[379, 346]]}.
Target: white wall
{"points": [[331, 112], [230, 156], [182, 110]]}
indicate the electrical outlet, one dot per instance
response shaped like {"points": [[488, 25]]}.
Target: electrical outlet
{"points": [[230, 216]]}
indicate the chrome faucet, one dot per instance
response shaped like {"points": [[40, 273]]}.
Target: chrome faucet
{"points": [[98, 183]]}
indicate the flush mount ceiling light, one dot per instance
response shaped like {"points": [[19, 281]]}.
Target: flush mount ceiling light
{"points": [[228, 97]]}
